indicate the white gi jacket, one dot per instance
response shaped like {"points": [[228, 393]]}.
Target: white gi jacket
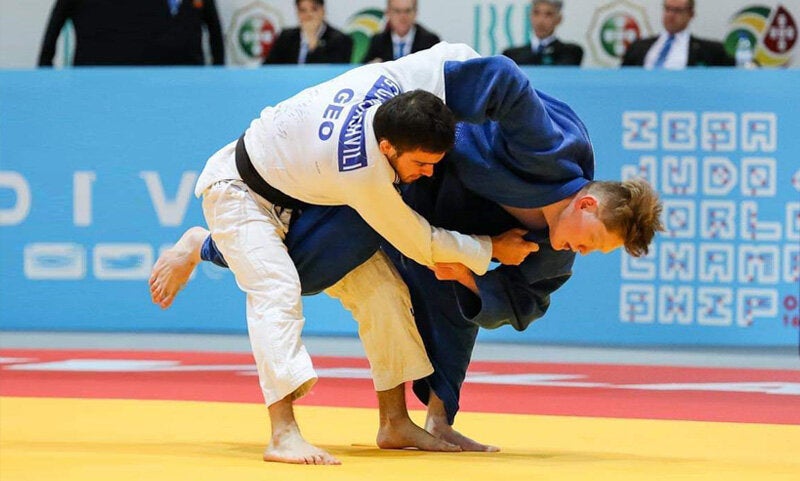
{"points": [[319, 147]]}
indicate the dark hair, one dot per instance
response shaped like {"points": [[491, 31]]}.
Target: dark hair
{"points": [[557, 4], [321, 3], [416, 120]]}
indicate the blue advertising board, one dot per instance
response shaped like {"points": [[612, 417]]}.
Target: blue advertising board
{"points": [[97, 170]]}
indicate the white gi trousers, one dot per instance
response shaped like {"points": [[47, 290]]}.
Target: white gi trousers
{"points": [[249, 231]]}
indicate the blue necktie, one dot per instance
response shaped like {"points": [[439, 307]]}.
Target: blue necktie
{"points": [[662, 55], [301, 58], [401, 50], [174, 6]]}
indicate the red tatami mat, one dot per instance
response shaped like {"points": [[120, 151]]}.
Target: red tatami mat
{"points": [[621, 391]]}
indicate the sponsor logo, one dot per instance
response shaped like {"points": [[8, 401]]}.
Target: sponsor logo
{"points": [[771, 31], [49, 261], [498, 25], [252, 32], [361, 26], [122, 261], [613, 28]]}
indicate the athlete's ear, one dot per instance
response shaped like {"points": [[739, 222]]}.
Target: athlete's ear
{"points": [[386, 147], [588, 201]]}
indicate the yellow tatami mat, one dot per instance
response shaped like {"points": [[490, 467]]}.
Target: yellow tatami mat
{"points": [[46, 439]]}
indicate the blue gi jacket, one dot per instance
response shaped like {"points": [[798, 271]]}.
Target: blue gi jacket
{"points": [[447, 314], [522, 149]]}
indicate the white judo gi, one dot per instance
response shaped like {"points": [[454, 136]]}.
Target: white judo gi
{"points": [[319, 147]]}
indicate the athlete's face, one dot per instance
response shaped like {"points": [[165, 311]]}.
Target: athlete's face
{"points": [[412, 164], [579, 229]]}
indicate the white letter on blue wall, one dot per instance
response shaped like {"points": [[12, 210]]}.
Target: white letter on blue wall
{"points": [[19, 211], [170, 213], [678, 130], [639, 130], [679, 218], [717, 219], [719, 176], [719, 131], [759, 264], [791, 263], [645, 169], [759, 132], [637, 303], [679, 176], [759, 177], [675, 304], [754, 229], [677, 261], [754, 303], [82, 197], [715, 263], [714, 306]]}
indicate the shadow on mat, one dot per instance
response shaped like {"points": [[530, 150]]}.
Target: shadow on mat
{"points": [[250, 451], [357, 450]]}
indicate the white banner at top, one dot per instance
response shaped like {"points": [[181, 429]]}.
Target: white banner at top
{"points": [[602, 27]]}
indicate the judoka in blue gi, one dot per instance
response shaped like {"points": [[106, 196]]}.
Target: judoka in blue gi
{"points": [[531, 169]]}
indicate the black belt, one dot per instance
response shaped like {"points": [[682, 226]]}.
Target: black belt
{"points": [[257, 184]]}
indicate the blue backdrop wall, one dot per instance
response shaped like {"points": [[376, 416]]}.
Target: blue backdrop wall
{"points": [[97, 169]]}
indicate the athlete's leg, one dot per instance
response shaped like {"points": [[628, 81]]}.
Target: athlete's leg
{"points": [[449, 340], [249, 231], [325, 243], [437, 424], [378, 299]]}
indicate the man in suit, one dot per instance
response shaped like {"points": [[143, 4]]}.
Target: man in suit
{"points": [[676, 48], [136, 32], [313, 41], [402, 36], [544, 48]]}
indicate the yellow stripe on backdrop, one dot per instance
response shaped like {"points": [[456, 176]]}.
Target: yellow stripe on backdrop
{"points": [[122, 440]]}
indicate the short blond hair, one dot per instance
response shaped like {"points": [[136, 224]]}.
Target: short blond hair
{"points": [[630, 209]]}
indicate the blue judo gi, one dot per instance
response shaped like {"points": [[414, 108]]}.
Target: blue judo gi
{"points": [[515, 146]]}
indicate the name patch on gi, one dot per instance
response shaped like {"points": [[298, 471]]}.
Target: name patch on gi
{"points": [[352, 151]]}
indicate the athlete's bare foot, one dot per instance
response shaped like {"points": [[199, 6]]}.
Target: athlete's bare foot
{"points": [[398, 431], [436, 423], [174, 266], [287, 444], [290, 447], [401, 434]]}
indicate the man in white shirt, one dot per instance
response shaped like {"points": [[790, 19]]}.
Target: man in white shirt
{"points": [[675, 48], [348, 142]]}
